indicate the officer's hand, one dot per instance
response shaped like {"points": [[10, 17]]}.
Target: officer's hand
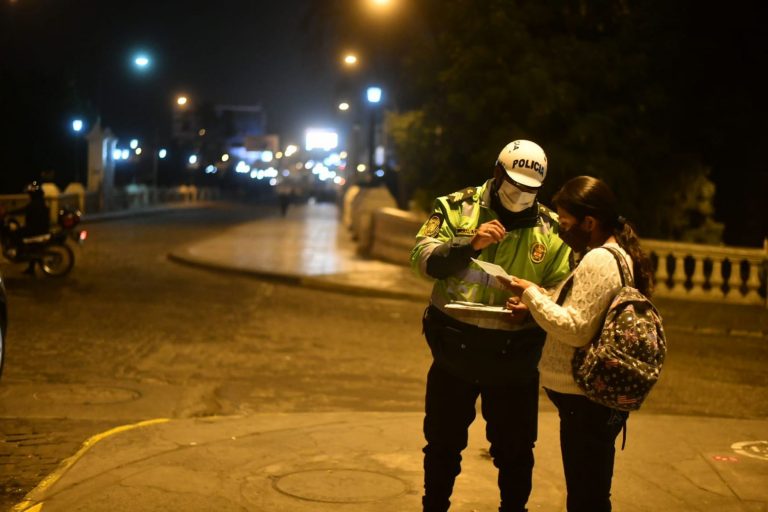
{"points": [[488, 233], [518, 311]]}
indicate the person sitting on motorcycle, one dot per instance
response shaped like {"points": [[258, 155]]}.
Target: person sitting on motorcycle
{"points": [[37, 220]]}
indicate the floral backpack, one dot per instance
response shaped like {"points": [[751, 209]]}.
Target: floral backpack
{"points": [[621, 365]]}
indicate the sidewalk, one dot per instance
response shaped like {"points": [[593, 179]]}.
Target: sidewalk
{"points": [[372, 461]]}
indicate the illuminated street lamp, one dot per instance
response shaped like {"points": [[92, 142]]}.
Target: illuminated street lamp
{"points": [[350, 59], [343, 106], [373, 94], [142, 62], [78, 125], [182, 100]]}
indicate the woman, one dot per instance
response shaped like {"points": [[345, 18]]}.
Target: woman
{"points": [[588, 220]]}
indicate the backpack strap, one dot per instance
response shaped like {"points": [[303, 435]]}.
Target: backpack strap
{"points": [[624, 274]]}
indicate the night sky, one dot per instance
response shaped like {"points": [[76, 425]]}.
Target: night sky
{"points": [[227, 52]]}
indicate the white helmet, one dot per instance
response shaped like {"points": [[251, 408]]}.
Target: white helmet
{"points": [[525, 162]]}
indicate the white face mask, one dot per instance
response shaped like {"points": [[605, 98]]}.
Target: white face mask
{"points": [[514, 199]]}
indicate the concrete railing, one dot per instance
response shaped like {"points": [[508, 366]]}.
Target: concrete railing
{"points": [[683, 271], [130, 197], [709, 272]]}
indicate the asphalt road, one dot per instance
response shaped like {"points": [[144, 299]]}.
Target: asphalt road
{"points": [[131, 336]]}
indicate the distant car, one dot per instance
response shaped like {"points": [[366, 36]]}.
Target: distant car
{"points": [[3, 323]]}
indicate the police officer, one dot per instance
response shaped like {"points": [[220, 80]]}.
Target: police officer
{"points": [[489, 354]]}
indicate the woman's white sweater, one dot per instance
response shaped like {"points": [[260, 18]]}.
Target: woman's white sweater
{"points": [[596, 280]]}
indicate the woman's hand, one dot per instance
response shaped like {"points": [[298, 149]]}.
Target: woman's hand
{"points": [[515, 284], [518, 310]]}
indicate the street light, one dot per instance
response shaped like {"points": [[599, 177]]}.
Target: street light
{"points": [[141, 61], [373, 94], [78, 125]]}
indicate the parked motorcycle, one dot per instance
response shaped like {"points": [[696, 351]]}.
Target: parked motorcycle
{"points": [[48, 251]]}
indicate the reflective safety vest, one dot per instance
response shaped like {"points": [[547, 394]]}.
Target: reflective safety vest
{"points": [[533, 252]]}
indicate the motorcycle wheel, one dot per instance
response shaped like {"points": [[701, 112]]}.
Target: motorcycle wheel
{"points": [[57, 260]]}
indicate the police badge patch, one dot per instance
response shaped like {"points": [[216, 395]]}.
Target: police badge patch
{"points": [[432, 227], [538, 251]]}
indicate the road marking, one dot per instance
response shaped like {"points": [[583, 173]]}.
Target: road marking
{"points": [[754, 449], [30, 505]]}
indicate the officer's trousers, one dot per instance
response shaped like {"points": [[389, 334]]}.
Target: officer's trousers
{"points": [[510, 412]]}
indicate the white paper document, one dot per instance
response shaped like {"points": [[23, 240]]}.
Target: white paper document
{"points": [[492, 269]]}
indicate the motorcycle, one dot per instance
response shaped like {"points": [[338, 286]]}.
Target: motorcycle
{"points": [[49, 251]]}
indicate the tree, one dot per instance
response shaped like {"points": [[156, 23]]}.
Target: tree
{"points": [[646, 95]]}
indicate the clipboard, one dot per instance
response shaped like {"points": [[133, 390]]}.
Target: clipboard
{"points": [[477, 306]]}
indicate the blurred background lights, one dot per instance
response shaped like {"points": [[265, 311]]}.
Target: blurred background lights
{"points": [[162, 153], [134, 143], [291, 149], [192, 159], [321, 138], [78, 125]]}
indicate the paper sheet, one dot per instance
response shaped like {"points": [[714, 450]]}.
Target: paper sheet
{"points": [[492, 269]]}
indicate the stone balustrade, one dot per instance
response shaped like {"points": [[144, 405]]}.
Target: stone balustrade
{"points": [[682, 270], [131, 196], [708, 272]]}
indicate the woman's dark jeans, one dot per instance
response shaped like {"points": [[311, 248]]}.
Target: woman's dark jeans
{"points": [[588, 432]]}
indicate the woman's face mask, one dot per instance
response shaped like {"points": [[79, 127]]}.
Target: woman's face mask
{"points": [[576, 238], [514, 199]]}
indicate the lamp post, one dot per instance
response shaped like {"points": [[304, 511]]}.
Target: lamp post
{"points": [[78, 125], [373, 95]]}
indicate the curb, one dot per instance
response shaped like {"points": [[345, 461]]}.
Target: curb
{"points": [[31, 505], [317, 283]]}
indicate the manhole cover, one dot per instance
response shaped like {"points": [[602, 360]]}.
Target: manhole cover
{"points": [[754, 449], [340, 485], [85, 395]]}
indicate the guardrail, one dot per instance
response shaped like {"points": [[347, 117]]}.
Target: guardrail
{"points": [[124, 198], [683, 271]]}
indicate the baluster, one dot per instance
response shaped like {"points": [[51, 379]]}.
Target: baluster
{"points": [[663, 275], [678, 276], [753, 284], [716, 279], [698, 278]]}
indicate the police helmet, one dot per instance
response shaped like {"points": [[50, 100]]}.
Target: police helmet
{"points": [[524, 162]]}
